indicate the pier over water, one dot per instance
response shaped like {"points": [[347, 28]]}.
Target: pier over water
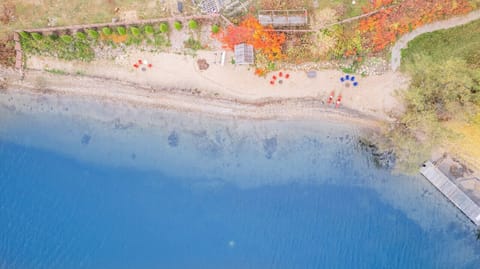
{"points": [[457, 196]]}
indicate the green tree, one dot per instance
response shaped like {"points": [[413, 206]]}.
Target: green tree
{"points": [[215, 29], [149, 30], [121, 30], [450, 89], [66, 38], [192, 24], [81, 35], [163, 27], [37, 36], [106, 31], [135, 31], [92, 34], [178, 25], [24, 35]]}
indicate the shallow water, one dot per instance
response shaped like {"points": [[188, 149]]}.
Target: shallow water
{"points": [[100, 185]]}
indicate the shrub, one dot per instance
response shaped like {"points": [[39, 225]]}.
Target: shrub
{"points": [[192, 44], [107, 31], [81, 35], [135, 31], [193, 25], [66, 38], [148, 30], [53, 37], [93, 34], [215, 29], [164, 27], [178, 25], [24, 35], [121, 30], [37, 36]]}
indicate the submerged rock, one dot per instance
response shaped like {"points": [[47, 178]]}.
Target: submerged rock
{"points": [[270, 146], [383, 159], [173, 139], [86, 139]]}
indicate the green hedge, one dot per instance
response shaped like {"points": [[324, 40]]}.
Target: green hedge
{"points": [[178, 25], [37, 36], [121, 30], [66, 38], [148, 30], [81, 35], [107, 31], [163, 27], [92, 33], [192, 24], [215, 29], [135, 31]]}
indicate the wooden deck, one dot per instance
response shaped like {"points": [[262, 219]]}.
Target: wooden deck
{"points": [[451, 191]]}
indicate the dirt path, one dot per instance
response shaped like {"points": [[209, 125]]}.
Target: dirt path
{"points": [[445, 24]]}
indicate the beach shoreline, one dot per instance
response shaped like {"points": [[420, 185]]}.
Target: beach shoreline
{"points": [[39, 83]]}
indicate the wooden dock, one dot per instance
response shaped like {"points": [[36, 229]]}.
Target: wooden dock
{"points": [[451, 191]]}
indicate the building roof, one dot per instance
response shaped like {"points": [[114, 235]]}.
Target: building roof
{"points": [[209, 6], [282, 18], [244, 54]]}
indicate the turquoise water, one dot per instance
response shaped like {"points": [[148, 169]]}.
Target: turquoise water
{"points": [[139, 188]]}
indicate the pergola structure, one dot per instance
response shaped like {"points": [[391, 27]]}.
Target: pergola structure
{"points": [[244, 54], [283, 18]]}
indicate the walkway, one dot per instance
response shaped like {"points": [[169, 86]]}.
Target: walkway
{"points": [[452, 192], [439, 25]]}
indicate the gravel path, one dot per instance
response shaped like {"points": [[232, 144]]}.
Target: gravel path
{"points": [[445, 24]]}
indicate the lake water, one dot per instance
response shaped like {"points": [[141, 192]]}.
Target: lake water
{"points": [[102, 185]]}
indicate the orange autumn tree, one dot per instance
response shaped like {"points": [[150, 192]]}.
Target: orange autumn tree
{"points": [[250, 31], [382, 28]]}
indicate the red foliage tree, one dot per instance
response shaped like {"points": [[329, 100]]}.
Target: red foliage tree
{"points": [[382, 28], [250, 31]]}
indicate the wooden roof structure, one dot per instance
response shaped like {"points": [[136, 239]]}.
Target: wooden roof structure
{"points": [[244, 54], [283, 18]]}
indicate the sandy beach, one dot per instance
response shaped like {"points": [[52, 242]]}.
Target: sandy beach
{"points": [[175, 82]]}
